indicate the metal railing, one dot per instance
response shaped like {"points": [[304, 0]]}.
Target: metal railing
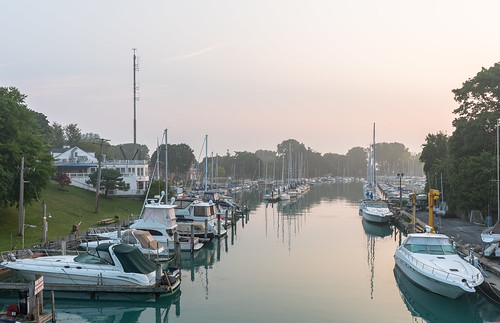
{"points": [[435, 271]]}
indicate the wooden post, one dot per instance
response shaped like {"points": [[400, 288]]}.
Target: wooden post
{"points": [[176, 248], [158, 274], [63, 246], [192, 237], [218, 225], [53, 305], [206, 228], [225, 218]]}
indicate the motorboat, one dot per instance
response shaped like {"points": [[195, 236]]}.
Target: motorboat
{"points": [[432, 307], [108, 264], [375, 211], [159, 220], [201, 214], [284, 196], [143, 240], [430, 261], [491, 234]]}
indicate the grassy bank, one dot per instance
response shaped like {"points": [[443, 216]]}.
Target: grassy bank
{"points": [[64, 209]]}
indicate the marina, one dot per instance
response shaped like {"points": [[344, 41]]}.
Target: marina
{"points": [[312, 258]]}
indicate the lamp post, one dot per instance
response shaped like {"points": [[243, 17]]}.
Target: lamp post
{"points": [[24, 227], [400, 175]]}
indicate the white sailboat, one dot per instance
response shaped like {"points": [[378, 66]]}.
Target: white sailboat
{"points": [[284, 196], [492, 234], [371, 208]]}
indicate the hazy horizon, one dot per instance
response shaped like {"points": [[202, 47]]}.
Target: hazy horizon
{"points": [[249, 74]]}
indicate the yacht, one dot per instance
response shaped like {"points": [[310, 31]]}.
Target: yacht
{"points": [[430, 261], [375, 211], [107, 264], [159, 220], [200, 214]]}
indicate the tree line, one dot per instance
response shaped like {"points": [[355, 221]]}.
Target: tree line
{"points": [[25, 132], [466, 160]]}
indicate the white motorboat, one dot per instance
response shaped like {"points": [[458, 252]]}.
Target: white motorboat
{"points": [[159, 220], [375, 211], [108, 264], [201, 214], [491, 234], [143, 240], [430, 261], [284, 196]]}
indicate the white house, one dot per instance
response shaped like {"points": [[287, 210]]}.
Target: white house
{"points": [[79, 164]]}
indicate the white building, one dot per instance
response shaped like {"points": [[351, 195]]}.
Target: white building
{"points": [[79, 164]]}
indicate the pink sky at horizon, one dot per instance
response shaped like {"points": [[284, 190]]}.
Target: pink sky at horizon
{"points": [[249, 74]]}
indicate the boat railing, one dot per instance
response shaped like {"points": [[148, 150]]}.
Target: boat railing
{"points": [[439, 272]]}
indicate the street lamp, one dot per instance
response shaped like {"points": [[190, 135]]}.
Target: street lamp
{"points": [[26, 226], [400, 175]]}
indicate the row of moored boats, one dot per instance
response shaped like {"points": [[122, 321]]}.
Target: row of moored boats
{"points": [[125, 257]]}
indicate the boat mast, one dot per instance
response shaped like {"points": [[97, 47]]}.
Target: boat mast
{"points": [[166, 165], [498, 175], [374, 166], [206, 162]]}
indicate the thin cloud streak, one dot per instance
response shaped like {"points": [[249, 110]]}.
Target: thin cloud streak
{"points": [[198, 53]]}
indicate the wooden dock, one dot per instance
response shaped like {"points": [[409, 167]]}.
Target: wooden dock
{"points": [[94, 288]]}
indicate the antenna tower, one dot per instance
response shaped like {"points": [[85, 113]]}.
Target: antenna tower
{"points": [[135, 69]]}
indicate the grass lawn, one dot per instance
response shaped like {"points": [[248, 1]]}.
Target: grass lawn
{"points": [[64, 209]]}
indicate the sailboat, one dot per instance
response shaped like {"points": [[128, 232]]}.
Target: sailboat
{"points": [[492, 234], [371, 208], [284, 196]]}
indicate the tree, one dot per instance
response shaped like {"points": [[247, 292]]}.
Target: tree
{"points": [[62, 179], [72, 135], [19, 136], [434, 150], [56, 136], [470, 159], [357, 162], [479, 95], [111, 179], [180, 158]]}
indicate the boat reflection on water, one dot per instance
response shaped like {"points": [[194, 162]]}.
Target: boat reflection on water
{"points": [[436, 308], [374, 231], [380, 230], [78, 307]]}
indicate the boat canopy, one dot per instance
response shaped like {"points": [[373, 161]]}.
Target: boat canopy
{"points": [[133, 260], [143, 237]]}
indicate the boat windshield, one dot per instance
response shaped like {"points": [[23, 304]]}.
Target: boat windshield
{"points": [[376, 205], [96, 257], [430, 246]]}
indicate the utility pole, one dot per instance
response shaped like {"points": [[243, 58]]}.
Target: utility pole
{"points": [[21, 199], [98, 186]]}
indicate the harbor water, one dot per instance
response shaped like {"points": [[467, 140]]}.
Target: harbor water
{"points": [[312, 259]]}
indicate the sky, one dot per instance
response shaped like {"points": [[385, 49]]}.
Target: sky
{"points": [[249, 74]]}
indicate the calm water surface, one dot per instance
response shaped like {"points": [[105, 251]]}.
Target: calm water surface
{"points": [[310, 260]]}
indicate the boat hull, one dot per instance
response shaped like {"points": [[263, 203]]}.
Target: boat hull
{"points": [[373, 217], [438, 286], [66, 271]]}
